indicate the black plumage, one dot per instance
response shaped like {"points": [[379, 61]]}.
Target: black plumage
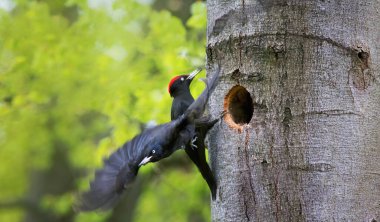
{"points": [[182, 99], [152, 145]]}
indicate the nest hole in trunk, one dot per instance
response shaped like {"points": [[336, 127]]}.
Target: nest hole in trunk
{"points": [[238, 105]]}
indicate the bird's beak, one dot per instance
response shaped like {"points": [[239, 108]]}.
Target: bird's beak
{"points": [[145, 160], [193, 74]]}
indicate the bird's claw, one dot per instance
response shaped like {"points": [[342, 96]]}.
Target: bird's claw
{"points": [[192, 143]]}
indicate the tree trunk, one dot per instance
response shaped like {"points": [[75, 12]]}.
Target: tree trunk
{"points": [[300, 82]]}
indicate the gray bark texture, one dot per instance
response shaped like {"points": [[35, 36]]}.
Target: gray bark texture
{"points": [[301, 83]]}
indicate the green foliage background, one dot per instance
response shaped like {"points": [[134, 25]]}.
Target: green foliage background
{"points": [[74, 88]]}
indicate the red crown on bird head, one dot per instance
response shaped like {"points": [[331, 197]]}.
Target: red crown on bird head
{"points": [[172, 81], [189, 76]]}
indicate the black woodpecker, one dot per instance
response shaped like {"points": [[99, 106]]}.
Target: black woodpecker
{"points": [[152, 145], [179, 89]]}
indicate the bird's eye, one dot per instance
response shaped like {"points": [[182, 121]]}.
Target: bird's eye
{"points": [[153, 151], [182, 79]]}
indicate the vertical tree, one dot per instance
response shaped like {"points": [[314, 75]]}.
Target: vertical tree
{"points": [[301, 140], [79, 84]]}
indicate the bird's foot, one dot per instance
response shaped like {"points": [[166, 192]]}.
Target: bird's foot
{"points": [[192, 143]]}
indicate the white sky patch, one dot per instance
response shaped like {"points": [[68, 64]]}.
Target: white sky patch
{"points": [[150, 124], [183, 53], [145, 2], [98, 4], [117, 52], [7, 5], [134, 27], [117, 14], [106, 5]]}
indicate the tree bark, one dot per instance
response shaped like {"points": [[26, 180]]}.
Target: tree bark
{"points": [[302, 143]]}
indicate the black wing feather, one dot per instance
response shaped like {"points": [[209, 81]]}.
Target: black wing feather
{"points": [[119, 170]]}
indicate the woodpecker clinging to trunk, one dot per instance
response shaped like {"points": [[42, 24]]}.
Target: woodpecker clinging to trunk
{"points": [[179, 89], [152, 145]]}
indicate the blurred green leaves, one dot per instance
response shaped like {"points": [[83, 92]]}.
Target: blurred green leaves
{"points": [[78, 80], [197, 20]]}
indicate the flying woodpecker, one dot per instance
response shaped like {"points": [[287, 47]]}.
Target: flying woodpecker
{"points": [[179, 89], [152, 145]]}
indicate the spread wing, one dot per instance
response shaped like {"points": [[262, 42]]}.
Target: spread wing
{"points": [[119, 170]]}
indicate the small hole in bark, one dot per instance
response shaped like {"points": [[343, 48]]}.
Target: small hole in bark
{"points": [[239, 106], [363, 55]]}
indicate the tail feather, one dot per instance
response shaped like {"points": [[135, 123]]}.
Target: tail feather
{"points": [[198, 156], [121, 168]]}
